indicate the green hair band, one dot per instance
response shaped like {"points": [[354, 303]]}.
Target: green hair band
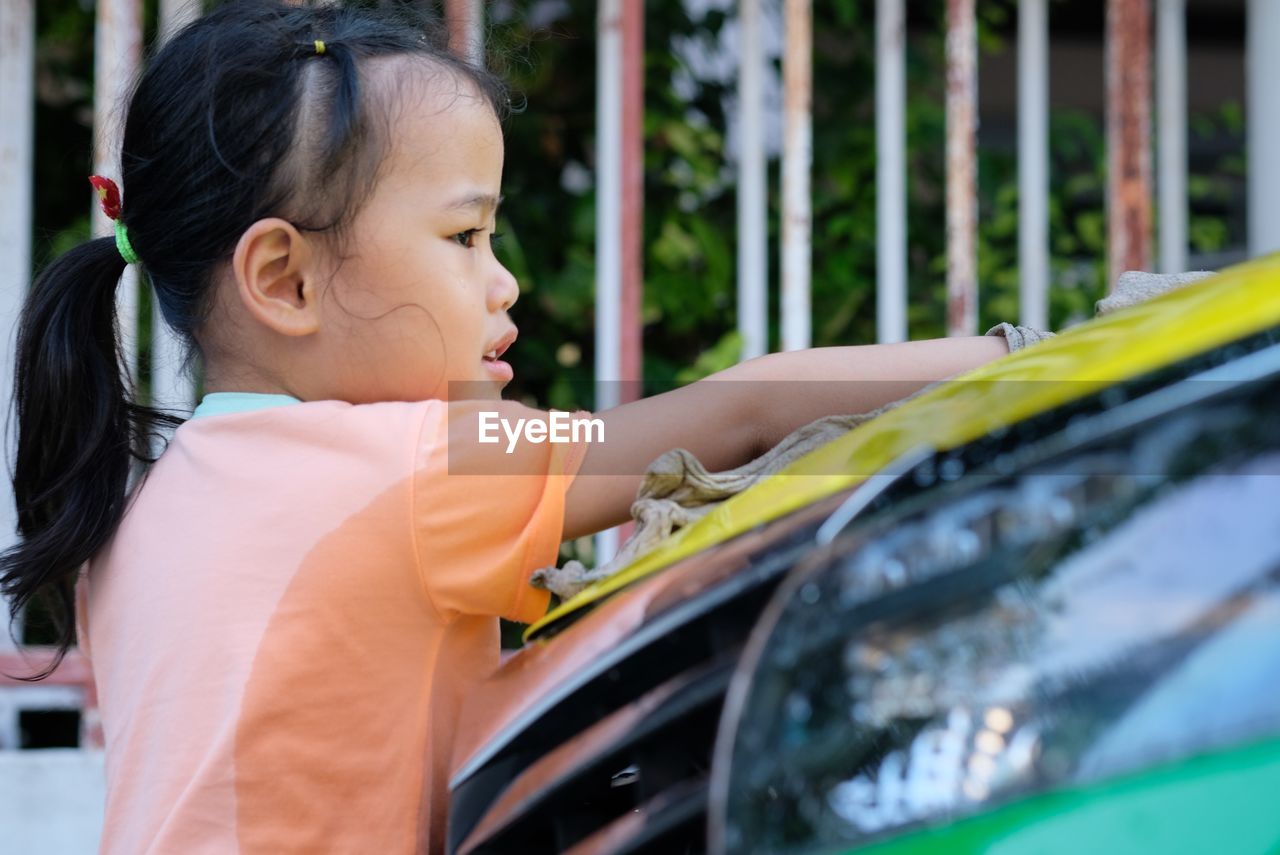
{"points": [[122, 244]]}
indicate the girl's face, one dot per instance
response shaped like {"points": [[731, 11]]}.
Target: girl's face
{"points": [[419, 299]]}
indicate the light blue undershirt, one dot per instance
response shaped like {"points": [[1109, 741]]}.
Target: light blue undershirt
{"points": [[224, 403]]}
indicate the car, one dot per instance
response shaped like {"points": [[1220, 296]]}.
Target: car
{"points": [[1034, 609]]}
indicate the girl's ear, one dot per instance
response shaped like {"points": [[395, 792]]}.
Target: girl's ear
{"points": [[274, 267]]}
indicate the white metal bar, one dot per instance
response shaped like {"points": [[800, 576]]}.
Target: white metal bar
{"points": [[1171, 115], [117, 53], [17, 160], [1033, 163], [962, 168], [176, 14], [608, 202], [172, 388], [1262, 35], [891, 172], [797, 160], [608, 365], [753, 235]]}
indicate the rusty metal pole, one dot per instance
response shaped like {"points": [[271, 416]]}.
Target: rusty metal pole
{"points": [[1128, 137], [797, 160], [465, 19], [632, 238], [117, 54], [962, 168]]}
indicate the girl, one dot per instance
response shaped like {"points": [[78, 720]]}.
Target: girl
{"points": [[283, 614]]}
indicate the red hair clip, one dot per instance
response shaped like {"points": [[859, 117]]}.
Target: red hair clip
{"points": [[108, 195]]}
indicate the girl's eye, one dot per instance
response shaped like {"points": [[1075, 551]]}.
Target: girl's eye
{"points": [[495, 238], [466, 238]]}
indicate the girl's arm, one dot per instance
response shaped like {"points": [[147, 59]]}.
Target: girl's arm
{"points": [[735, 415]]}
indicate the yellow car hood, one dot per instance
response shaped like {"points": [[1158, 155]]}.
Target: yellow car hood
{"points": [[1232, 305]]}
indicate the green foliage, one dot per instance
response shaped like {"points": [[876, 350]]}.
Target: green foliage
{"points": [[720, 356]]}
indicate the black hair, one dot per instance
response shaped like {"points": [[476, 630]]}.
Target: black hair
{"points": [[238, 117]]}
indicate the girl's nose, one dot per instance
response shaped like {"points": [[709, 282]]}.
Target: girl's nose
{"points": [[505, 290]]}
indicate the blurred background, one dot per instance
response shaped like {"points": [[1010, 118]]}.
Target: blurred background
{"points": [[547, 50], [940, 166]]}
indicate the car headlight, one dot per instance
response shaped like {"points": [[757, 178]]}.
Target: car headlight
{"points": [[1109, 608]]}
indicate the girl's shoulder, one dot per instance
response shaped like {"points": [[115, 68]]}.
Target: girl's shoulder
{"points": [[267, 430]]}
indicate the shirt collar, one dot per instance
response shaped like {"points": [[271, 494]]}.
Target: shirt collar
{"points": [[224, 403]]}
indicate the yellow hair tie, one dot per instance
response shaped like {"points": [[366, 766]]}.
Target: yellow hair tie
{"points": [[319, 48]]}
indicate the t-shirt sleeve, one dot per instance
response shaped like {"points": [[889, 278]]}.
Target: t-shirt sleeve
{"points": [[488, 507]]}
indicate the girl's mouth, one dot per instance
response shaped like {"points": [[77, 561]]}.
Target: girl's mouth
{"points": [[492, 359], [498, 369]]}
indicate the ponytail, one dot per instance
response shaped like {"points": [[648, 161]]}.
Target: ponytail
{"points": [[78, 432]]}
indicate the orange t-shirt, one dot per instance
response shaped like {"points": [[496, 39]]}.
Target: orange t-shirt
{"points": [[284, 624]]}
